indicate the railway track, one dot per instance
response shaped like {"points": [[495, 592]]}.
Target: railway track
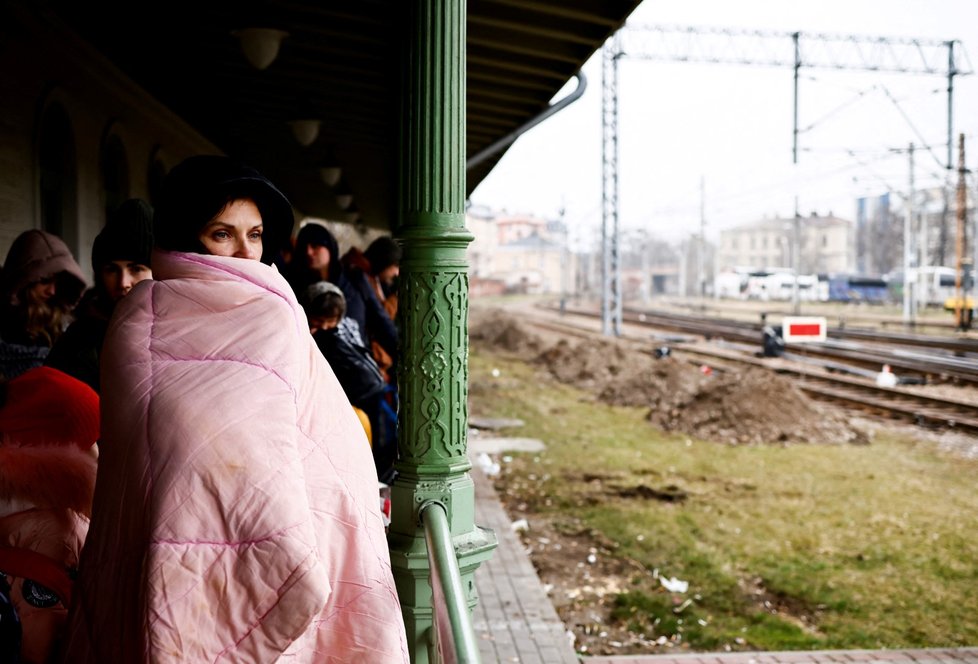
{"points": [[944, 344], [853, 393], [914, 356]]}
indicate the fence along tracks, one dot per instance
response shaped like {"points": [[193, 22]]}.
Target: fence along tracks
{"points": [[819, 381]]}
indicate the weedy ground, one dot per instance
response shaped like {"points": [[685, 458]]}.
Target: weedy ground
{"points": [[782, 546]]}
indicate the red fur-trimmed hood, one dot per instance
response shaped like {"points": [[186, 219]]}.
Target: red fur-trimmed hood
{"points": [[45, 406], [47, 476]]}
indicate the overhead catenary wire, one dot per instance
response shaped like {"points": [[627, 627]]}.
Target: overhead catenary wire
{"points": [[912, 126], [841, 107]]}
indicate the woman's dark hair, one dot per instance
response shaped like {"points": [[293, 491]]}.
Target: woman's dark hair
{"points": [[318, 235], [196, 191], [382, 253]]}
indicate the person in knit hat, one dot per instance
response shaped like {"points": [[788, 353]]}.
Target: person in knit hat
{"points": [[48, 426], [121, 252], [120, 260], [40, 287]]}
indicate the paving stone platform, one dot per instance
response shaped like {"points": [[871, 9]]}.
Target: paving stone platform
{"points": [[514, 620]]}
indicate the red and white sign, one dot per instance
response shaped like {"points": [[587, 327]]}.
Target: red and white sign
{"points": [[795, 329]]}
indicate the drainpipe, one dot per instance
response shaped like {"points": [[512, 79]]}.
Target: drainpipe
{"points": [[510, 138], [432, 316]]}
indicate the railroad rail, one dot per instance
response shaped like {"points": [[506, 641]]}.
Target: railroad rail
{"points": [[855, 318], [896, 402], [957, 360], [947, 344]]}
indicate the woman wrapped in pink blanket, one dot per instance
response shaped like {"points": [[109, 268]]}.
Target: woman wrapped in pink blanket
{"points": [[235, 515]]}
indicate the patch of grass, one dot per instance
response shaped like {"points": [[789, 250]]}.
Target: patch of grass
{"points": [[804, 546], [770, 632], [656, 615]]}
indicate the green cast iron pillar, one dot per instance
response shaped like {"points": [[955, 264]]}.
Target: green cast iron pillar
{"points": [[433, 315]]}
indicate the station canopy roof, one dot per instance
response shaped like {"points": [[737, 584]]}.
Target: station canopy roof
{"points": [[340, 63]]}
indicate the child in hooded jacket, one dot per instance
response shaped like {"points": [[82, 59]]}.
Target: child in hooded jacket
{"points": [[49, 422]]}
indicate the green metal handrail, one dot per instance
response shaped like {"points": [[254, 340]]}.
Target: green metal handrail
{"points": [[452, 638]]}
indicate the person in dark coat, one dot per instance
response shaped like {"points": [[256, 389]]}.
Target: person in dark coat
{"points": [[381, 265], [338, 338], [316, 258], [374, 272], [41, 286], [120, 260]]}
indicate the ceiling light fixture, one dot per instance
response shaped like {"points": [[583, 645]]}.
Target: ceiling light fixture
{"points": [[331, 175], [305, 131], [344, 200], [260, 45]]}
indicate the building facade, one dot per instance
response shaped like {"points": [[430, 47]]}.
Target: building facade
{"points": [[525, 254], [827, 245]]}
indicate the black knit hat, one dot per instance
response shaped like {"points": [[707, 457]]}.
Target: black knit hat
{"points": [[127, 236], [382, 253], [198, 188]]}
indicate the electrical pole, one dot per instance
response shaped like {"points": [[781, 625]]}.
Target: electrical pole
{"points": [[701, 264], [923, 251], [646, 270], [796, 227], [909, 285], [564, 259], [959, 245]]}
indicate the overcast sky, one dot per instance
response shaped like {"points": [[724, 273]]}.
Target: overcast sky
{"points": [[731, 125]]}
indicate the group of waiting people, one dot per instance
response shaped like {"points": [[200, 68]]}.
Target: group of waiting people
{"points": [[183, 473], [351, 303]]}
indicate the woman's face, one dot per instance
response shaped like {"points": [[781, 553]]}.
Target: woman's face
{"points": [[317, 256], [388, 274], [118, 277], [235, 231], [44, 290]]}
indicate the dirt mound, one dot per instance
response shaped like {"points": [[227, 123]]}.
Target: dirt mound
{"points": [[748, 406], [500, 331], [618, 374]]}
